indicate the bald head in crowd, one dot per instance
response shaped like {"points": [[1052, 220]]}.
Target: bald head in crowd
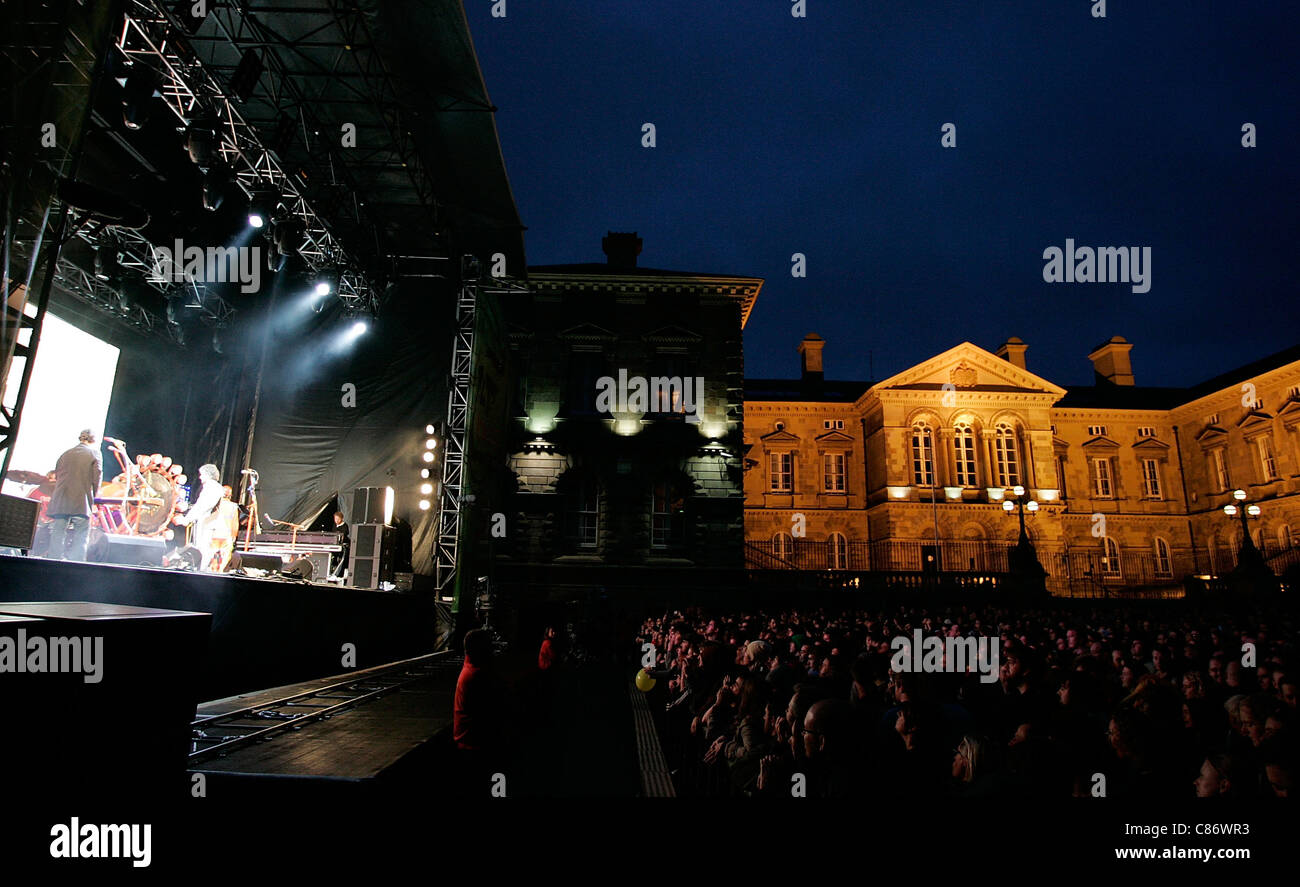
{"points": [[828, 728]]}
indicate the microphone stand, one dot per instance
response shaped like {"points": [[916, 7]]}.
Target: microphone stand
{"points": [[253, 517]]}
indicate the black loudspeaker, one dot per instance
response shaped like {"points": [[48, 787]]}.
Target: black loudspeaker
{"points": [[272, 563], [368, 505], [371, 558], [136, 551], [18, 522], [312, 566]]}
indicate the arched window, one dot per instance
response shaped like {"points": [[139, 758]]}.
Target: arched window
{"points": [[1008, 456], [963, 445], [783, 546], [837, 551], [1110, 558], [1164, 563], [922, 455]]}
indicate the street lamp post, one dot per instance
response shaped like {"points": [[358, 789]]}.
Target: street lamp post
{"points": [[1024, 558], [1250, 560]]}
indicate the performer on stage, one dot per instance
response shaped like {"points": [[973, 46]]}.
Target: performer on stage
{"points": [[341, 527], [77, 476], [206, 516], [225, 531]]}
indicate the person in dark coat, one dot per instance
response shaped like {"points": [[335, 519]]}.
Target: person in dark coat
{"points": [[76, 481]]}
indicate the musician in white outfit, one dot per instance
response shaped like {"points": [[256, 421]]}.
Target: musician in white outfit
{"points": [[204, 514]]}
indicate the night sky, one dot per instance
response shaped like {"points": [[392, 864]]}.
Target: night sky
{"points": [[821, 135]]}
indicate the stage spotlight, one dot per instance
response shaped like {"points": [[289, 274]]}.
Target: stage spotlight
{"points": [[426, 489], [107, 262], [428, 429], [431, 443], [359, 328], [424, 472], [262, 206], [428, 456], [323, 288], [138, 90], [201, 140], [288, 235], [216, 182], [424, 505]]}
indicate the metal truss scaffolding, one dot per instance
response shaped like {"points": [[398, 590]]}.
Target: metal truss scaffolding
{"points": [[454, 442], [151, 38]]}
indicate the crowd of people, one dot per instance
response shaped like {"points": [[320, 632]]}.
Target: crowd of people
{"points": [[1086, 702]]}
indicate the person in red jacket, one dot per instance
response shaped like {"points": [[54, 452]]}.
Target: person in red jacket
{"points": [[477, 718], [549, 653]]}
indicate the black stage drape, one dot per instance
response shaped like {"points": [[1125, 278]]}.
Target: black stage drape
{"points": [[316, 436]]}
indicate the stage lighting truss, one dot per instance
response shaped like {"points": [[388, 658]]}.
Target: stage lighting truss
{"points": [[107, 296], [149, 37], [122, 251]]}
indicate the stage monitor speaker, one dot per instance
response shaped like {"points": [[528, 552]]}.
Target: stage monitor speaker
{"points": [[371, 557], [18, 522], [271, 563], [372, 505], [314, 566], [135, 551]]}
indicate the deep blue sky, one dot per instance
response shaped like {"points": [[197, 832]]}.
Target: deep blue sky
{"points": [[821, 135]]}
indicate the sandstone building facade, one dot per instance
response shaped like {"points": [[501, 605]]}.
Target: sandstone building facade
{"points": [[1129, 482]]}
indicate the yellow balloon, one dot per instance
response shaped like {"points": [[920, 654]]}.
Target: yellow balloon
{"points": [[644, 682]]}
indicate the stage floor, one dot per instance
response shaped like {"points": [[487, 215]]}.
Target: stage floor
{"points": [[265, 632], [357, 744]]}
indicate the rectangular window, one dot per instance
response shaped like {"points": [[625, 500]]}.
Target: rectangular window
{"points": [[667, 384], [1096, 430], [585, 370], [833, 469], [588, 515], [833, 424], [1213, 420], [1146, 431], [668, 521], [1219, 469], [1004, 446], [1151, 478], [1267, 464], [1060, 475], [1101, 486], [781, 472], [964, 447]]}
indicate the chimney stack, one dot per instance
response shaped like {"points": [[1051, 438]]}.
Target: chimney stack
{"points": [[1013, 352], [810, 353], [1111, 362], [621, 248]]}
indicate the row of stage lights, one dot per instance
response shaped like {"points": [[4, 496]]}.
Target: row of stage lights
{"points": [[426, 473]]}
